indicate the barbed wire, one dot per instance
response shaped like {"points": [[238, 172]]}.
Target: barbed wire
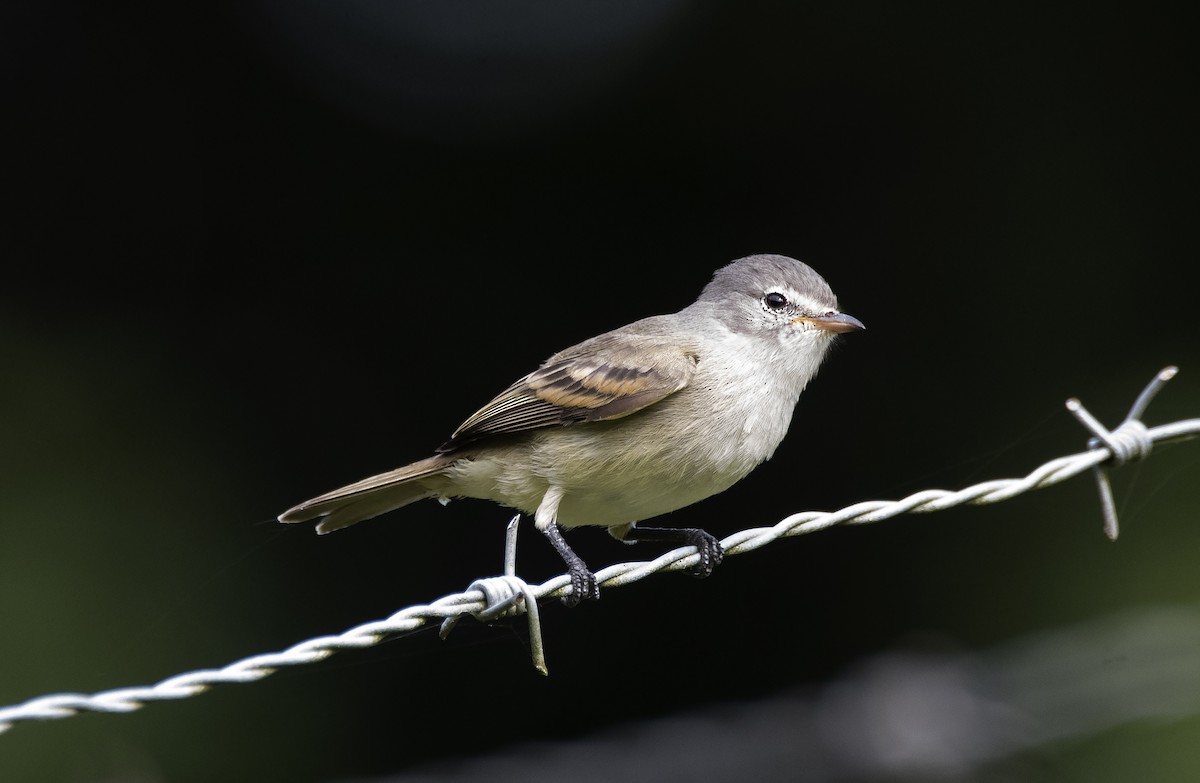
{"points": [[508, 595]]}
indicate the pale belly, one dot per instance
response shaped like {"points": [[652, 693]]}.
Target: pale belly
{"points": [[625, 474], [640, 499]]}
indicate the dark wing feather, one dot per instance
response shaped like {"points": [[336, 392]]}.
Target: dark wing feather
{"points": [[604, 378]]}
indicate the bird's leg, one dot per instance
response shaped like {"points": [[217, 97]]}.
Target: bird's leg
{"points": [[583, 581], [709, 548]]}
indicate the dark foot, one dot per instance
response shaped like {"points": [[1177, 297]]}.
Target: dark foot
{"points": [[583, 585], [709, 548], [583, 581]]}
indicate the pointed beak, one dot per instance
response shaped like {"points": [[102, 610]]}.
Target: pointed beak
{"points": [[834, 322]]}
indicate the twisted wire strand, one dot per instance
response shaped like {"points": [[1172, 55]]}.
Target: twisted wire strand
{"points": [[1135, 441]]}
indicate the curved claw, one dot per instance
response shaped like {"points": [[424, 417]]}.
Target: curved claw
{"points": [[708, 548], [583, 586], [583, 581]]}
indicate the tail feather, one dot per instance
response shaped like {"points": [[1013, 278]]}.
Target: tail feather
{"points": [[370, 497]]}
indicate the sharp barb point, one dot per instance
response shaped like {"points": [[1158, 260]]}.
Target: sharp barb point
{"points": [[1151, 390]]}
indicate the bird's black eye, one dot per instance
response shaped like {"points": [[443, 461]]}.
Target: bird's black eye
{"points": [[775, 300]]}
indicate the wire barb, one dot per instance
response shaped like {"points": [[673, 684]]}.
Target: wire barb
{"points": [[507, 596], [490, 598], [1128, 442]]}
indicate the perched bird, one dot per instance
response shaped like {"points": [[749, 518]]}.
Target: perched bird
{"points": [[633, 423]]}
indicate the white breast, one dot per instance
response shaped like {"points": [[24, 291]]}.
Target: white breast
{"points": [[693, 444]]}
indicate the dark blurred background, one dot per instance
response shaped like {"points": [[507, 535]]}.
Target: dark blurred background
{"points": [[255, 250]]}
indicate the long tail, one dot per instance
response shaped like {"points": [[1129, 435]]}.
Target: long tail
{"points": [[370, 497]]}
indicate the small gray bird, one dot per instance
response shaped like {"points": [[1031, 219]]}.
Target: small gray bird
{"points": [[631, 424]]}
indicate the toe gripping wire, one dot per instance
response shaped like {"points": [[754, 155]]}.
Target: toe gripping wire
{"points": [[507, 596], [1129, 442]]}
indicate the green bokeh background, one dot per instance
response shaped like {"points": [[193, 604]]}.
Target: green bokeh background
{"points": [[257, 250]]}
